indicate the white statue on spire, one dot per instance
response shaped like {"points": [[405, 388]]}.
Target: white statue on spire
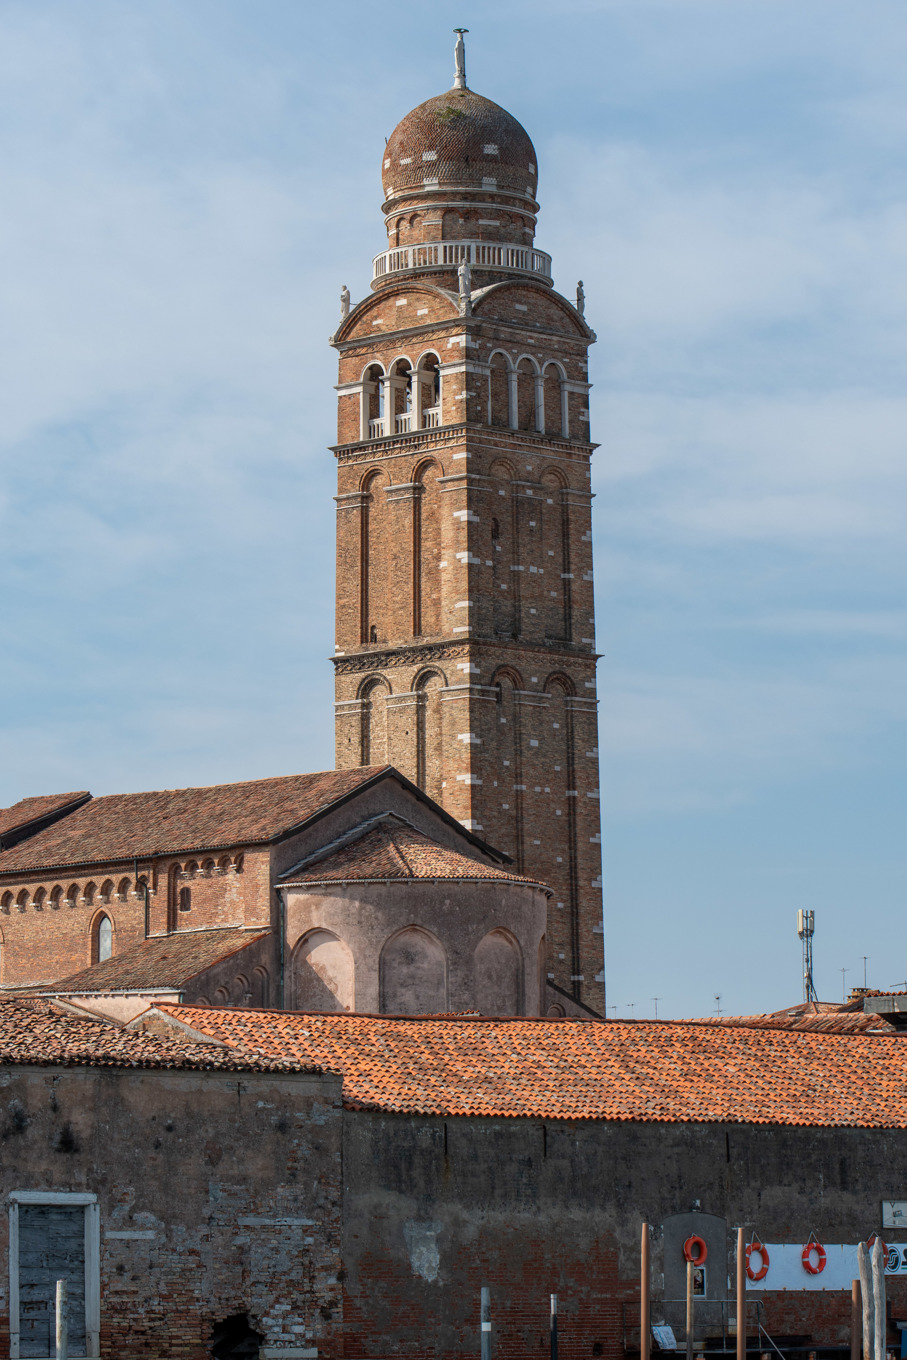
{"points": [[460, 60]]}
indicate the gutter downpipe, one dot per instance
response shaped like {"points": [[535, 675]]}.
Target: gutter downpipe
{"points": [[281, 944]]}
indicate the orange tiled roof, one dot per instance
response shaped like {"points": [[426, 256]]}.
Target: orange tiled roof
{"points": [[388, 847], [37, 1031], [122, 826], [833, 1021], [662, 1071], [33, 809], [167, 961]]}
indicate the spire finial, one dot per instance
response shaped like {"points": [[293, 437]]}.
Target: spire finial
{"points": [[460, 60]]}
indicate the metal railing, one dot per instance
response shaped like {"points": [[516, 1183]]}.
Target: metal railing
{"points": [[450, 254]]}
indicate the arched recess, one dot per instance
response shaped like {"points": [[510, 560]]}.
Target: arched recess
{"points": [[427, 392], [101, 935], [373, 721], [526, 388], [426, 549], [240, 991], [399, 396], [498, 974], [561, 688], [374, 548], [429, 732], [509, 762], [323, 973], [261, 986], [372, 409], [501, 548], [556, 556], [500, 404], [413, 973], [554, 408]]}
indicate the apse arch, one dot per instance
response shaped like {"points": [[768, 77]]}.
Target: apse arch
{"points": [[323, 973], [412, 971], [498, 964]]}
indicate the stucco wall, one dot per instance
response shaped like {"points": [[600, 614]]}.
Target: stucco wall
{"points": [[471, 971]]}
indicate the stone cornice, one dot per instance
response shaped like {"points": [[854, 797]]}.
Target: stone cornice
{"points": [[416, 654]]}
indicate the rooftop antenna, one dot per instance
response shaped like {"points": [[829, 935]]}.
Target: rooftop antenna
{"points": [[460, 60], [656, 1000], [717, 1003], [806, 925], [844, 984], [865, 957]]}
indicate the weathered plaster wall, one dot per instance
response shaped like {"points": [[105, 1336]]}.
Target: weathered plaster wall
{"points": [[436, 1209], [230, 1183], [459, 916]]}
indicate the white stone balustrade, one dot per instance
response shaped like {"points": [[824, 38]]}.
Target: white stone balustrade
{"points": [[450, 254]]}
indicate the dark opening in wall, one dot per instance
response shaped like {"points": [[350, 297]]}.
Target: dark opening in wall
{"points": [[235, 1337]]}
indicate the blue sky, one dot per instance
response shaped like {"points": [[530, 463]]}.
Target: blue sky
{"points": [[185, 188]]}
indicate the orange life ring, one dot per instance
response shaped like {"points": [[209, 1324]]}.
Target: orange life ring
{"points": [[871, 1240], [697, 1244], [813, 1245], [760, 1274]]}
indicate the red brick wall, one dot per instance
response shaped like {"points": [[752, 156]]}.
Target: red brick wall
{"points": [[43, 942]]}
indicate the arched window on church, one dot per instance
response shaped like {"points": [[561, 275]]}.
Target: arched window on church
{"points": [[102, 939]]}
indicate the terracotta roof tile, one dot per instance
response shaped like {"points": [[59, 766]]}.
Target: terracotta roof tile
{"points": [[390, 848], [167, 961], [824, 1022], [37, 1031], [174, 821], [33, 809], [666, 1071]]}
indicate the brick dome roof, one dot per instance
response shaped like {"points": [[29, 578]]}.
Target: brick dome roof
{"points": [[460, 138]]}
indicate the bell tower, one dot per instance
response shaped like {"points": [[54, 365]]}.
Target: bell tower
{"points": [[465, 645]]}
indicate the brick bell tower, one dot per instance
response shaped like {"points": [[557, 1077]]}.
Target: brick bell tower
{"points": [[465, 650]]}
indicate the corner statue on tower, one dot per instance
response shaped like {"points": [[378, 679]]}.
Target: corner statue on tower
{"points": [[460, 60]]}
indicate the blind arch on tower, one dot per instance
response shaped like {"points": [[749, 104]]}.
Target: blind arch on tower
{"points": [[426, 549], [374, 547], [500, 394], [429, 732], [556, 555], [373, 694], [506, 680]]}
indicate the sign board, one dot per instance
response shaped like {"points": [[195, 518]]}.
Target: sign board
{"points": [[894, 1213], [786, 1270]]}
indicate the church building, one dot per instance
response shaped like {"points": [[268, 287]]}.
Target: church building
{"points": [[453, 858]]}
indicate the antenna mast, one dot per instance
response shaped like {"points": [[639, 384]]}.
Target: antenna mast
{"points": [[806, 925]]}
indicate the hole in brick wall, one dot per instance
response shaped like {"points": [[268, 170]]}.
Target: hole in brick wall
{"points": [[235, 1337]]}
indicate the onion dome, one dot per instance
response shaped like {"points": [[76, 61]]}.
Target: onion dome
{"points": [[459, 139]]}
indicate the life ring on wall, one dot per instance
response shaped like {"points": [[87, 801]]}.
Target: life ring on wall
{"points": [[695, 1244], [813, 1245], [762, 1252], [869, 1245]]}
